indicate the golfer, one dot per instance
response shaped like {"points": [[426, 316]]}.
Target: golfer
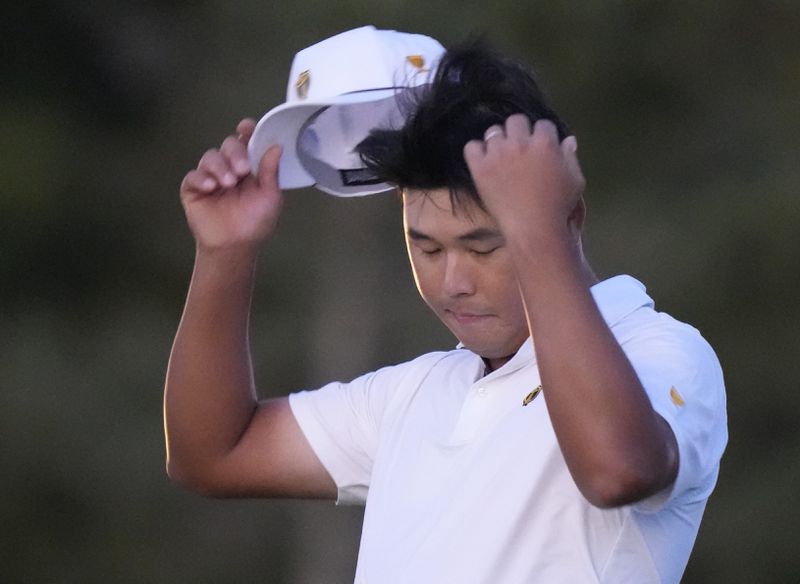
{"points": [[573, 435]]}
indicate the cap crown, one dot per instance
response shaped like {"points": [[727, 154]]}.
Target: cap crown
{"points": [[363, 59]]}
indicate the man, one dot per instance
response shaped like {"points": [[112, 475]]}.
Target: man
{"points": [[575, 434]]}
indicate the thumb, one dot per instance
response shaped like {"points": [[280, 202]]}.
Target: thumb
{"points": [[268, 167]]}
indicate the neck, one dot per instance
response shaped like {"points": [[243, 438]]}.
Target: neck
{"points": [[494, 364], [587, 275]]}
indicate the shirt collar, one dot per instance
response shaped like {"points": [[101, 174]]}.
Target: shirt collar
{"points": [[616, 298]]}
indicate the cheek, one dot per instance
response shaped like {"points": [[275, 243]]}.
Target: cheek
{"points": [[515, 307], [426, 278], [504, 289]]}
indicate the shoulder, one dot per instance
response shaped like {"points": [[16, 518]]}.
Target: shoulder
{"points": [[657, 337], [443, 359], [643, 331], [385, 381], [420, 367]]}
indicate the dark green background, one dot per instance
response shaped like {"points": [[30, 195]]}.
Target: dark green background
{"points": [[687, 119]]}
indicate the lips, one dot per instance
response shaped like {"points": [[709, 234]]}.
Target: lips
{"points": [[464, 317]]}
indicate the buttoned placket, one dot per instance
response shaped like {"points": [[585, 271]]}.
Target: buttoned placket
{"points": [[488, 397], [474, 410]]}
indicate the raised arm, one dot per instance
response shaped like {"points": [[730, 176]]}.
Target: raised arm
{"points": [[220, 440], [617, 448]]}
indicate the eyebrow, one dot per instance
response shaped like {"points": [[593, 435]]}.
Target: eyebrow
{"points": [[478, 234]]}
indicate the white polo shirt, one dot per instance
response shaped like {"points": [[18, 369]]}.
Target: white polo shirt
{"points": [[465, 484]]}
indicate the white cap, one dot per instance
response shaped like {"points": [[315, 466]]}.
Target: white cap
{"points": [[339, 89]]}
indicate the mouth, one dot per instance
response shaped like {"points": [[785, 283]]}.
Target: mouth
{"points": [[467, 318]]}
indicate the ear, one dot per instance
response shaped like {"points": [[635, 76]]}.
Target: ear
{"points": [[577, 217]]}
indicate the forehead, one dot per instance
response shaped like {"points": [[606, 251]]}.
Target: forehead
{"points": [[432, 211]]}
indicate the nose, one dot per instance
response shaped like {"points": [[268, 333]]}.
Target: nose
{"points": [[459, 278]]}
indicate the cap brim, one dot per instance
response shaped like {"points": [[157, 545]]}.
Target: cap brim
{"points": [[281, 125]]}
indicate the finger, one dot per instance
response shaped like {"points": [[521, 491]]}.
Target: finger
{"points": [[268, 167], [245, 129], [569, 151], [216, 165], [474, 151], [235, 153], [198, 182], [570, 144], [518, 127], [493, 131], [545, 129]]}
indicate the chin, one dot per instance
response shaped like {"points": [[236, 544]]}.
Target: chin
{"points": [[502, 349], [487, 350]]}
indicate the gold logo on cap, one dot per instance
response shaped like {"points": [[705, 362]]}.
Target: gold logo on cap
{"points": [[417, 61], [676, 398], [302, 83], [532, 395]]}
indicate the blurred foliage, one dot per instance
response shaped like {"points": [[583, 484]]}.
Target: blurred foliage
{"points": [[686, 115]]}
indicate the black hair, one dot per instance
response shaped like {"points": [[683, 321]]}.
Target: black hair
{"points": [[474, 87]]}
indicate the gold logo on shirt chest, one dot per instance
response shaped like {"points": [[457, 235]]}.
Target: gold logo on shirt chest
{"points": [[532, 395]]}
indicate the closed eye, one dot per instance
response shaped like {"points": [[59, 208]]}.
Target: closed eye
{"points": [[430, 252], [484, 252]]}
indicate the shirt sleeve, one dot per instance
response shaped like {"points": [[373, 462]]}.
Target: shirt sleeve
{"points": [[683, 379], [341, 422]]}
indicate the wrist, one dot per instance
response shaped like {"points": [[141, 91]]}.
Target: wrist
{"points": [[226, 267], [544, 247], [234, 252], [538, 233]]}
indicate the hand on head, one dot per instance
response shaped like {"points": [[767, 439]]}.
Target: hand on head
{"points": [[524, 175], [227, 206]]}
